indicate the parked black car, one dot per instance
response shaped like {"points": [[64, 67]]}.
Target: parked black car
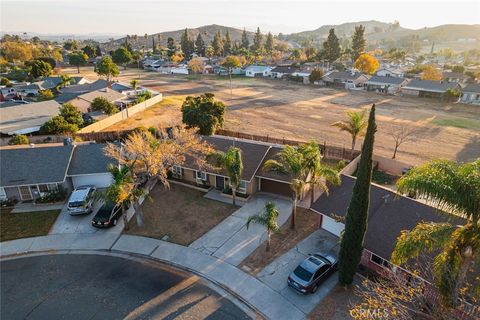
{"points": [[308, 276], [107, 216]]}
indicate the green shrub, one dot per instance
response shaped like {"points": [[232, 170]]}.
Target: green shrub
{"points": [[5, 82], [53, 196], [46, 94], [18, 140]]}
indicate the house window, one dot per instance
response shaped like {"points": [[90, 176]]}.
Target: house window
{"points": [[43, 188], [201, 175], [52, 187], [177, 171], [380, 261]]}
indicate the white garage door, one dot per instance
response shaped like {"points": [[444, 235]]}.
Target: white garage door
{"points": [[332, 226], [102, 180]]}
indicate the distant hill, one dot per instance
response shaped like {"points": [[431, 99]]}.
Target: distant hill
{"points": [[456, 36], [207, 34]]}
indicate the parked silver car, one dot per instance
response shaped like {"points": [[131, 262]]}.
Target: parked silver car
{"points": [[307, 277], [81, 200]]}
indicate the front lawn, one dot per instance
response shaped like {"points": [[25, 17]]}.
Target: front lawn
{"points": [[180, 213], [26, 224]]}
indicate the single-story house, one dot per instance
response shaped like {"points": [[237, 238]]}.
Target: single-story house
{"points": [[29, 173], [180, 69], [254, 179], [457, 77], [31, 89], [27, 118], [389, 214], [86, 87], [127, 89], [345, 79], [257, 71], [53, 82], [385, 84], [83, 101], [282, 71], [471, 94], [390, 71], [428, 88]]}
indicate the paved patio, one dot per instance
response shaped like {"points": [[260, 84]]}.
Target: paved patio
{"points": [[276, 273], [32, 207], [230, 240]]}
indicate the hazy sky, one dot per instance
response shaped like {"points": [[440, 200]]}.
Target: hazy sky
{"points": [[150, 16]]}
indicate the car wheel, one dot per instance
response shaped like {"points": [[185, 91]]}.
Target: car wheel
{"points": [[314, 289], [115, 222]]}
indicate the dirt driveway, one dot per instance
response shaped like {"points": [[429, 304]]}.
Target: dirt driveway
{"points": [[285, 109]]}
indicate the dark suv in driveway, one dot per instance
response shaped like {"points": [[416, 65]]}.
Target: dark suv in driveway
{"points": [[107, 216], [308, 276]]}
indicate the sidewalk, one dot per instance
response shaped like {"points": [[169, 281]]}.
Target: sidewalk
{"points": [[259, 296], [230, 240]]}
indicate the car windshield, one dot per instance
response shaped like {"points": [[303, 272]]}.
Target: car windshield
{"points": [[302, 273], [75, 204], [105, 211]]}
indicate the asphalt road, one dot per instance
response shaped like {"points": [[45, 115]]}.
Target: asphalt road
{"points": [[106, 287]]}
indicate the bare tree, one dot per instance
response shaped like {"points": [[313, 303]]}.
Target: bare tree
{"points": [[400, 134]]}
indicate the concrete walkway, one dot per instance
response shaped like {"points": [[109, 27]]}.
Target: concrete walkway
{"points": [[250, 290], [32, 207], [230, 240], [275, 274]]}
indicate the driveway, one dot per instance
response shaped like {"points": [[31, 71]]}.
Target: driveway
{"points": [[108, 287], [230, 240], [276, 273], [66, 223]]}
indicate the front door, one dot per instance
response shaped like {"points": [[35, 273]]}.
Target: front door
{"points": [[25, 193], [220, 182]]}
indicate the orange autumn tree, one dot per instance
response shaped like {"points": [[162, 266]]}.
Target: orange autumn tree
{"points": [[367, 64], [431, 73]]}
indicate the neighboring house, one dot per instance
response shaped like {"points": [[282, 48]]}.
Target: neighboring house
{"points": [[127, 89], [71, 92], [283, 71], [53, 82], [257, 71], [389, 214], [254, 179], [385, 84], [345, 79], [30, 172], [180, 69], [390, 71], [428, 88], [27, 118], [29, 89], [471, 94], [456, 77], [83, 101]]}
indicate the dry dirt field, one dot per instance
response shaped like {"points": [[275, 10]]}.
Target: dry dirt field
{"points": [[285, 109]]}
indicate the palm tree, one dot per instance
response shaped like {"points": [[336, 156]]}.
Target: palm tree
{"points": [[290, 161], [120, 190], [232, 163], [134, 84], [319, 173], [268, 219], [65, 79], [455, 189], [355, 124]]}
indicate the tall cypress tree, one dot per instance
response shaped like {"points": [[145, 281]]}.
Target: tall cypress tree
{"points": [[245, 42], [200, 46], [331, 47], [358, 42], [227, 44], [351, 246]]}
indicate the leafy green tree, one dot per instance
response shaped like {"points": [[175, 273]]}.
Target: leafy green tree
{"points": [[71, 45], [351, 245], [217, 44], [230, 63], [203, 112], [358, 42], [38, 69], [227, 44], [77, 59], [19, 140], [232, 163], [102, 104], [186, 45], [290, 161], [65, 80], [200, 46], [331, 47], [459, 69], [58, 125], [319, 173], [257, 45], [268, 219], [315, 75], [48, 60], [269, 44], [5, 82], [98, 51], [71, 114], [245, 42], [90, 51], [455, 189], [106, 67], [171, 47], [355, 125], [122, 56]]}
